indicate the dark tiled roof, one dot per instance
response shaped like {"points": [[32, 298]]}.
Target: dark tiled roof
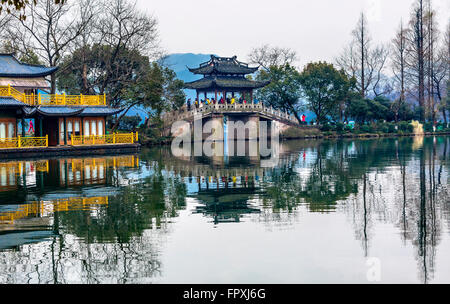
{"points": [[221, 82], [99, 111], [11, 67], [223, 65], [71, 111], [58, 111], [10, 102]]}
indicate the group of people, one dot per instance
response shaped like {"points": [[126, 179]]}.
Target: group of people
{"points": [[204, 102]]}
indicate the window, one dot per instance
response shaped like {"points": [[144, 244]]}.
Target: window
{"points": [[2, 130], [69, 130], [86, 128], [61, 131], [11, 132], [94, 127], [77, 128], [100, 127]]}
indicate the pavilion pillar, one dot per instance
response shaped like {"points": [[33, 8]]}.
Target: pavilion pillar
{"points": [[23, 127], [41, 133], [197, 96], [251, 96], [205, 95], [215, 98]]}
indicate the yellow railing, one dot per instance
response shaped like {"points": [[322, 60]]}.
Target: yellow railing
{"points": [[24, 142], [115, 138], [53, 99]]}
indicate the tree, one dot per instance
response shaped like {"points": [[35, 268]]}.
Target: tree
{"points": [[323, 87], [361, 61], [441, 74], [283, 92], [416, 55], [267, 56], [158, 90], [398, 59], [49, 31], [11, 6]]}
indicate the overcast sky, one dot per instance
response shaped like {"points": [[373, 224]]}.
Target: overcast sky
{"points": [[316, 29]]}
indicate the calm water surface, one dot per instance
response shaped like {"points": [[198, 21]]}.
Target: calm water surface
{"points": [[318, 216]]}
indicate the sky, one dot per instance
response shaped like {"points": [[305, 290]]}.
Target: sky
{"points": [[315, 29]]}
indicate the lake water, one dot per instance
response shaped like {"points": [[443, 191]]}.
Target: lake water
{"points": [[344, 211]]}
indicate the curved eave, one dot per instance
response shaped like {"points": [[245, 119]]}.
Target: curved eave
{"points": [[47, 72], [99, 111], [58, 111], [211, 84], [217, 69], [53, 111]]}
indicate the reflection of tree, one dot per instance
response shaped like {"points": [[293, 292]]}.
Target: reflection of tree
{"points": [[115, 243]]}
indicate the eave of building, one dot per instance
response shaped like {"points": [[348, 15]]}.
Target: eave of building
{"points": [[13, 68], [10, 102], [224, 66], [219, 83], [55, 111]]}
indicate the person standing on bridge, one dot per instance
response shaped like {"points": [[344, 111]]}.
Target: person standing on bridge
{"points": [[232, 100], [189, 104]]}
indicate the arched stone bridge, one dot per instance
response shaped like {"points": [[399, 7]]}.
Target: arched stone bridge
{"points": [[230, 109], [233, 112]]}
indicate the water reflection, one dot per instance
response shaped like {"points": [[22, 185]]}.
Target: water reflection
{"points": [[108, 219]]}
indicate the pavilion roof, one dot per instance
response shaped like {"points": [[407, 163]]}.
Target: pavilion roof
{"points": [[223, 65], [71, 111], [224, 82], [11, 67], [10, 102]]}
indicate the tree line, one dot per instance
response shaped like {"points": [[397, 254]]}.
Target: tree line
{"points": [[404, 79]]}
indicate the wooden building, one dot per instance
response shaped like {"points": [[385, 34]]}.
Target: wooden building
{"points": [[28, 110]]}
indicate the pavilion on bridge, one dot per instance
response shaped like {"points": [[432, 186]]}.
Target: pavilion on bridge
{"points": [[224, 76]]}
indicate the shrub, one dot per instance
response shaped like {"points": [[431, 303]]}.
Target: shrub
{"points": [[340, 127], [365, 129], [325, 128], [405, 127], [428, 127]]}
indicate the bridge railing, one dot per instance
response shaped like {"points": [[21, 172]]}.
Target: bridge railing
{"points": [[227, 108]]}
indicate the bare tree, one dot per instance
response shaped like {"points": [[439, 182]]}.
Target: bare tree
{"points": [[441, 73], [267, 56], [416, 55], [432, 40], [122, 26], [398, 57], [364, 62], [48, 31]]}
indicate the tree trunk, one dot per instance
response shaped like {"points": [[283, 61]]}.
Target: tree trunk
{"points": [[53, 83], [116, 124]]}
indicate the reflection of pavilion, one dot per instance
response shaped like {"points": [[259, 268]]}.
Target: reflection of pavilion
{"points": [[15, 175], [31, 222], [31, 192], [226, 205]]}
